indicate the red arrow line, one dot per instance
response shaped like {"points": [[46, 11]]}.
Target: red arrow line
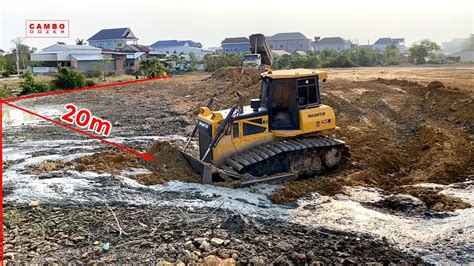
{"points": [[145, 156], [83, 89]]}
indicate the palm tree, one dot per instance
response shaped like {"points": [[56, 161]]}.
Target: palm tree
{"points": [[152, 68], [80, 41]]}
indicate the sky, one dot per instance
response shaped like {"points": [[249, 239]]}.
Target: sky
{"points": [[209, 22]]}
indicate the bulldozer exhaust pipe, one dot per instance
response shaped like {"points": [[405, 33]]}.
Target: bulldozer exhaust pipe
{"points": [[241, 102]]}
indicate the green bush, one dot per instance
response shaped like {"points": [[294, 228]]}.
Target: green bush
{"points": [[5, 74], [90, 83], [69, 79], [214, 62], [5, 92], [340, 60], [93, 74], [30, 85]]}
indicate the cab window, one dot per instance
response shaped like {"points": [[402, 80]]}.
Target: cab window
{"points": [[250, 129], [307, 92], [235, 130]]}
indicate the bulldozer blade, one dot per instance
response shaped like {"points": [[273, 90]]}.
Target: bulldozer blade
{"points": [[203, 169]]}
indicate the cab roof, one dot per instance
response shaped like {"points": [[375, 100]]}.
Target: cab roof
{"points": [[294, 73]]}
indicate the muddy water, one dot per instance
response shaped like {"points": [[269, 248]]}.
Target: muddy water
{"points": [[441, 239]]}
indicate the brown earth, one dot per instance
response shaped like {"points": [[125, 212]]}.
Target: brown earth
{"points": [[401, 133], [103, 162], [404, 125], [168, 164]]}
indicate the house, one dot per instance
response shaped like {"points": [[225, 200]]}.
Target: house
{"points": [[170, 47], [132, 48], [289, 41], [280, 52], [334, 43], [84, 58], [236, 45], [113, 38], [382, 43], [460, 49]]}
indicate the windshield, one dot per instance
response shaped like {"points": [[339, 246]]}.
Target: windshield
{"points": [[251, 57]]}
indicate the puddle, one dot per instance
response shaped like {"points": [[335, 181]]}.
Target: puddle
{"points": [[13, 117], [441, 240]]}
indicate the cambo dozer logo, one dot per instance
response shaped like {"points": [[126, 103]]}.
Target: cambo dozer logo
{"points": [[47, 28]]}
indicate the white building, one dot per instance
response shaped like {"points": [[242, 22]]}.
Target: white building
{"points": [[175, 47], [334, 43], [382, 43], [461, 48], [81, 57]]}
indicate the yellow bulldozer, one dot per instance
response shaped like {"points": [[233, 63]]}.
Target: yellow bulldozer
{"points": [[279, 137]]}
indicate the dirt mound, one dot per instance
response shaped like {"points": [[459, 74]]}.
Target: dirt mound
{"points": [[224, 84], [436, 201], [435, 84], [399, 82], [109, 162], [103, 162], [294, 190], [168, 164], [399, 136], [48, 167], [236, 74]]}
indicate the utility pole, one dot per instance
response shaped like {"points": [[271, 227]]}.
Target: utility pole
{"points": [[17, 41]]}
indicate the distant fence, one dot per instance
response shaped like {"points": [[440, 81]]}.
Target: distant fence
{"points": [[44, 70]]}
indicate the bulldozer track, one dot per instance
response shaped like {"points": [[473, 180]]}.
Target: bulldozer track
{"points": [[302, 156]]}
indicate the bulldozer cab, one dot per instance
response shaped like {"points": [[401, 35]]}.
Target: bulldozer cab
{"points": [[285, 93]]}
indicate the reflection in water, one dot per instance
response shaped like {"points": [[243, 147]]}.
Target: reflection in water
{"points": [[14, 117]]}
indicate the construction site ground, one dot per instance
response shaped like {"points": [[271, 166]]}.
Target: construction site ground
{"points": [[405, 196]]}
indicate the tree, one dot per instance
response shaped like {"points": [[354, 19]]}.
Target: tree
{"points": [[61, 43], [80, 41], [69, 79], [419, 52], [327, 54], [214, 62], [101, 67], [152, 68], [30, 85], [282, 62], [24, 52], [3, 63], [391, 55], [17, 41], [340, 60], [193, 61], [364, 57]]}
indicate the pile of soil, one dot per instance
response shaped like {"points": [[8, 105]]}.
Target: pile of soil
{"points": [[112, 161], [229, 81], [401, 134], [168, 164], [434, 200], [236, 75]]}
